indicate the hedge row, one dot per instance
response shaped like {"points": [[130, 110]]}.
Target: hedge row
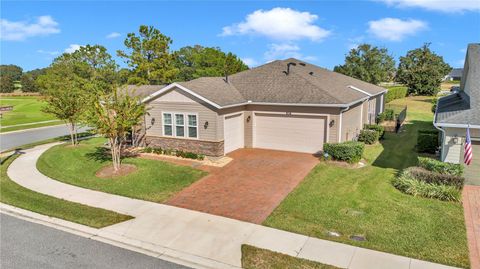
{"points": [[387, 115], [427, 141], [350, 151], [440, 167], [378, 128], [396, 93], [178, 153]]}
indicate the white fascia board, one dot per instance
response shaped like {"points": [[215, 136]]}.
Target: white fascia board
{"points": [[173, 85], [287, 104], [360, 90], [457, 125]]}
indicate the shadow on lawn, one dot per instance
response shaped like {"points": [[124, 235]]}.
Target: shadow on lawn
{"points": [[399, 148], [101, 154]]}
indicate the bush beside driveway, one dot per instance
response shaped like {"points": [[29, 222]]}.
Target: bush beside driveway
{"points": [[364, 202]]}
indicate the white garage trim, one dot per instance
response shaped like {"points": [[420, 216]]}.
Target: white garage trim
{"points": [[315, 146], [233, 139]]}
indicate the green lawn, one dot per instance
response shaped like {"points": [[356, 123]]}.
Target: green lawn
{"points": [[26, 109], [257, 258], [13, 194], [364, 202], [153, 181]]}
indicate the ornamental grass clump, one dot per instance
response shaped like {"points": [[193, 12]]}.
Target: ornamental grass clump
{"points": [[440, 167]]}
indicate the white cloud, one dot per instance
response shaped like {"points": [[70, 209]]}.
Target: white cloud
{"points": [[283, 51], [72, 48], [250, 62], [53, 53], [279, 23], [438, 5], [21, 30], [393, 29], [113, 35]]}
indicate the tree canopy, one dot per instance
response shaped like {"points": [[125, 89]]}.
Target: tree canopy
{"points": [[198, 61], [9, 75], [422, 71], [29, 80], [149, 57], [368, 63]]}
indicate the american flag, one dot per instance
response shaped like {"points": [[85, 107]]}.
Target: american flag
{"points": [[468, 155]]}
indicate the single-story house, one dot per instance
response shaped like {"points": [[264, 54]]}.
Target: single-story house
{"points": [[455, 74], [457, 111], [283, 105]]}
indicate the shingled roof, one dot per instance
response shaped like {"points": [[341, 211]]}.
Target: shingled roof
{"points": [[305, 84], [464, 106]]}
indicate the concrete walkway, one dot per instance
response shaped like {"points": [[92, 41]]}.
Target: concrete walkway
{"points": [[200, 238]]}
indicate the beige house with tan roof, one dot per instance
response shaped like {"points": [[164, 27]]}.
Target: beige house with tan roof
{"points": [[283, 105]]}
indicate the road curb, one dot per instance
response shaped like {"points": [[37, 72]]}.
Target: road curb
{"points": [[145, 248], [31, 129]]}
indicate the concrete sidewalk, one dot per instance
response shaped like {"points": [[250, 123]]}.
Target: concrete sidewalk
{"points": [[200, 238]]}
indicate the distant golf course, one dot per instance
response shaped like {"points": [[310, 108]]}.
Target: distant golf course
{"points": [[26, 113]]}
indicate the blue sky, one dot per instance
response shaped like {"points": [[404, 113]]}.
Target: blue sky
{"points": [[320, 32]]}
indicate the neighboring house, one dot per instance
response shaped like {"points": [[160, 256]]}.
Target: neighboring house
{"points": [[283, 105], [455, 74], [456, 111]]}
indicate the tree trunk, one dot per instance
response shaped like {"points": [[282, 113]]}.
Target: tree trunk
{"points": [[115, 148], [72, 133]]}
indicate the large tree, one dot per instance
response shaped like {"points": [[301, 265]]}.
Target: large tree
{"points": [[65, 93], [198, 61], [29, 80], [149, 57], [9, 75], [422, 71], [113, 114], [368, 63]]}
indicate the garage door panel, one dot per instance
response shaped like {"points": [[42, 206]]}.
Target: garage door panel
{"points": [[291, 133], [233, 133]]}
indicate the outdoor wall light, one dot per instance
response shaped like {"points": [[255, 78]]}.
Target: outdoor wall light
{"points": [[249, 118], [455, 139], [332, 122], [205, 125], [152, 121]]}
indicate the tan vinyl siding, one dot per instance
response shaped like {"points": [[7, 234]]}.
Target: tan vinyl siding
{"points": [[452, 152], [248, 129], [351, 122], [176, 104]]}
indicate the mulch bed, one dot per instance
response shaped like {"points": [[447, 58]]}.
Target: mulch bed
{"points": [[108, 172]]}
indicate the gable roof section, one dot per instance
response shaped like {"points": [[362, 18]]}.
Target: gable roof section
{"points": [[305, 85], [463, 108]]}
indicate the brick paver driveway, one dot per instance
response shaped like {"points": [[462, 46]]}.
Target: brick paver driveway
{"points": [[471, 206], [250, 187]]}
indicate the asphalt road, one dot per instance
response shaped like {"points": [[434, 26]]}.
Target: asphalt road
{"points": [[18, 138], [29, 245]]}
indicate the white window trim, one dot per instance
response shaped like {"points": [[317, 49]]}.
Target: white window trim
{"points": [[185, 125]]}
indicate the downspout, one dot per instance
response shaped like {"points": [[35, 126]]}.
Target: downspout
{"points": [[441, 130]]}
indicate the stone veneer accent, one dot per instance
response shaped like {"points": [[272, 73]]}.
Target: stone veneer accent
{"points": [[209, 148]]}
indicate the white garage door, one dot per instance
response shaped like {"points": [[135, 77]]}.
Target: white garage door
{"points": [[291, 133], [233, 132]]}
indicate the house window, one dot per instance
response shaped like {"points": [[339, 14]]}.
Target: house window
{"points": [[192, 126], [167, 124], [180, 125]]}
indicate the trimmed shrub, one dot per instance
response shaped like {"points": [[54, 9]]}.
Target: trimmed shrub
{"points": [[423, 174], [350, 151], [177, 153], [389, 114], [415, 187], [395, 93], [380, 118], [378, 128], [427, 141], [440, 167], [368, 136]]}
